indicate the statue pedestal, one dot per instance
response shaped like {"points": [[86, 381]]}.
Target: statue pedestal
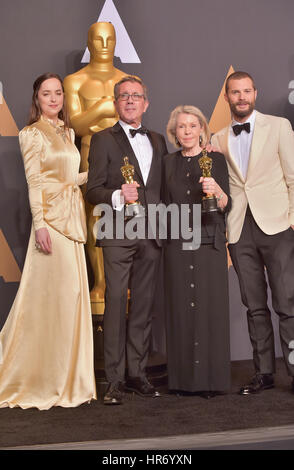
{"points": [[156, 367]]}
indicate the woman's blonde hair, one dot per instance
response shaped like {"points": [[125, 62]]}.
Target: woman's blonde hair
{"points": [[172, 124]]}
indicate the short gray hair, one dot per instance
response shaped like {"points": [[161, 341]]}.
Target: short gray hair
{"points": [[129, 78]]}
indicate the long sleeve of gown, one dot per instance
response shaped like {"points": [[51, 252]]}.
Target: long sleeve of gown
{"points": [[30, 142]]}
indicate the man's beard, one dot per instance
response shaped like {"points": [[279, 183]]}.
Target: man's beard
{"points": [[242, 113]]}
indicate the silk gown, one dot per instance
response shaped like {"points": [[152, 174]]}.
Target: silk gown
{"points": [[46, 344]]}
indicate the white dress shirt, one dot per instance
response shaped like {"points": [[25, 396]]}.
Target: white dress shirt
{"points": [[240, 145], [143, 151]]}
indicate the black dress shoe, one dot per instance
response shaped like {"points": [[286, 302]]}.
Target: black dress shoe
{"points": [[141, 386], [114, 394], [258, 383]]}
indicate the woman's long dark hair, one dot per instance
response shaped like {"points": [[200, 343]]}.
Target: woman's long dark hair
{"points": [[35, 112]]}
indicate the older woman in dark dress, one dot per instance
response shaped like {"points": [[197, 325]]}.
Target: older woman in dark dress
{"points": [[197, 303]]}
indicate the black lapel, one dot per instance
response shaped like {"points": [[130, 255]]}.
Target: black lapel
{"points": [[122, 140], [154, 142]]}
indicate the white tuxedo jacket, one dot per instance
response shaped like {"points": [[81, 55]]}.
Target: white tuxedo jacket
{"points": [[269, 185]]}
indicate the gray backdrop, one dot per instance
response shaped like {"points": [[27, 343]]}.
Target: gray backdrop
{"points": [[186, 48]]}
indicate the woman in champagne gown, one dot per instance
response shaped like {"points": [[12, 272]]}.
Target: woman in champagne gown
{"points": [[46, 344]]}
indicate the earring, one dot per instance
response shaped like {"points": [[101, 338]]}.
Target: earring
{"points": [[200, 140]]}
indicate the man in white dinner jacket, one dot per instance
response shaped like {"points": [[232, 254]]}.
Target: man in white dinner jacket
{"points": [[259, 150]]}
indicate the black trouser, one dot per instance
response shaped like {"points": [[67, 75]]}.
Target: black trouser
{"points": [[136, 266], [250, 255]]}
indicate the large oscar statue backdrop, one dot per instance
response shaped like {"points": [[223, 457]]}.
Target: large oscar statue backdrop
{"points": [[89, 95]]}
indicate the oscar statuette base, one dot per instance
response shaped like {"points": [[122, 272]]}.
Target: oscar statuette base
{"points": [[209, 204]]}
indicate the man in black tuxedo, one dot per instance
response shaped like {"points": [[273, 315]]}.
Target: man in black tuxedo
{"points": [[127, 262]]}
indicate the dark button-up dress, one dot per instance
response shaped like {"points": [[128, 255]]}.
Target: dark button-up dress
{"points": [[197, 302]]}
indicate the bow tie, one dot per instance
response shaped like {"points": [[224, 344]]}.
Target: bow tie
{"points": [[141, 130], [238, 128]]}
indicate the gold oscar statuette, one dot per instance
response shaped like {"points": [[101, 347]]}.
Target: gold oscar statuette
{"points": [[134, 208], [209, 202]]}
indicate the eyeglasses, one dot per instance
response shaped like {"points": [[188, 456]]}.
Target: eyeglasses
{"points": [[134, 96]]}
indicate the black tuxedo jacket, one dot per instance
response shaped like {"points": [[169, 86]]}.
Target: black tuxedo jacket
{"points": [[108, 147]]}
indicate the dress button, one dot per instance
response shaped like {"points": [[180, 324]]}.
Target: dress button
{"points": [[188, 174], [191, 266], [196, 362], [189, 159], [192, 304], [188, 192], [196, 344], [192, 285]]}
